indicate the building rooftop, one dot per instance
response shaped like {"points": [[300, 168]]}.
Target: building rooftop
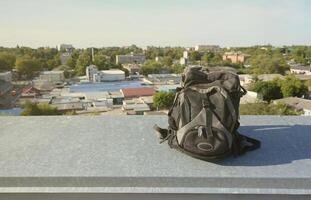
{"points": [[121, 154], [105, 86], [300, 67], [113, 71], [269, 77], [137, 92]]}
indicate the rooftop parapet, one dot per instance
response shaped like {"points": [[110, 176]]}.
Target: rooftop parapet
{"points": [[119, 155]]}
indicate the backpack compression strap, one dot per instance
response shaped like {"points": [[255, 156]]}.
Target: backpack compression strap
{"points": [[246, 144]]}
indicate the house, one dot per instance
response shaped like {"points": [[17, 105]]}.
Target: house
{"points": [[30, 92], [300, 69], [132, 68], [65, 104], [43, 86], [130, 59], [135, 106], [235, 57], [52, 76], [129, 93], [297, 103], [147, 100]]}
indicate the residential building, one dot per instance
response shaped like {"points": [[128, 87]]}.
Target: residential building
{"points": [[52, 76], [129, 93], [135, 106], [43, 86], [64, 104], [300, 69], [296, 103], [6, 76], [235, 57], [109, 75], [132, 68], [131, 59]]}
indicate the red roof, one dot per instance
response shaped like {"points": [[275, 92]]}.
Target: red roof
{"points": [[137, 92]]}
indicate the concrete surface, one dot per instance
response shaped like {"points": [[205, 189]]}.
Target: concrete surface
{"points": [[121, 155]]}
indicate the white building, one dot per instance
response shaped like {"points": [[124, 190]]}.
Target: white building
{"points": [[90, 71], [183, 61], [109, 75], [6, 76], [130, 59], [186, 54], [52, 76], [94, 75]]}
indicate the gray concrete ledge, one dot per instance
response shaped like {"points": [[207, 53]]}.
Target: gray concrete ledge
{"points": [[120, 154]]}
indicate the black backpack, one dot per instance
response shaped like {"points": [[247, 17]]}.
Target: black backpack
{"points": [[204, 117]]}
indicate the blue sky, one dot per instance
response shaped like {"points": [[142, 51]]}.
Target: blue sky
{"points": [[99, 23]]}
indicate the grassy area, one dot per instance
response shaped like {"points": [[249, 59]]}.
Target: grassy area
{"points": [[267, 109]]}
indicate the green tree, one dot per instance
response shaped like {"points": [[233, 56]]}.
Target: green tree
{"points": [[267, 109], [7, 61], [167, 61], [83, 61], [268, 90], [39, 109], [151, 67], [265, 63], [195, 56], [177, 68], [293, 87], [27, 66], [102, 61], [163, 100]]}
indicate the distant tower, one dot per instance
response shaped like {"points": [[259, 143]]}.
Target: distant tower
{"points": [[186, 54], [92, 54]]}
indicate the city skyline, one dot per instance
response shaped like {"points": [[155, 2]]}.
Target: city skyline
{"points": [[154, 23]]}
